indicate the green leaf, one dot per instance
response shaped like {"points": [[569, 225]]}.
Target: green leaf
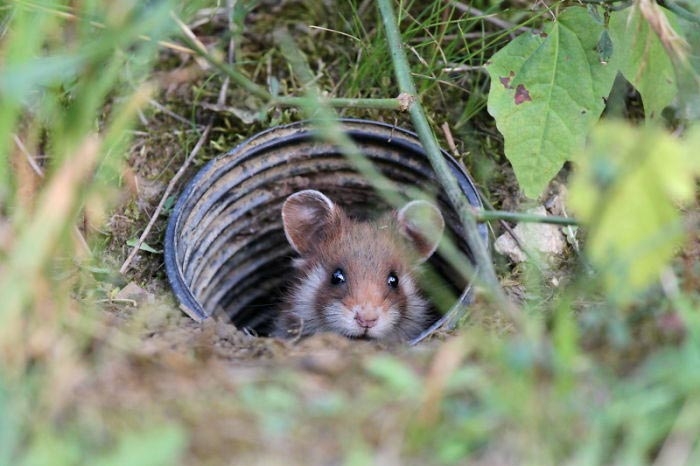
{"points": [[547, 91], [642, 60], [143, 247], [626, 190]]}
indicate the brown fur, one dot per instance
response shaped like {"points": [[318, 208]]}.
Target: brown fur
{"points": [[367, 253]]}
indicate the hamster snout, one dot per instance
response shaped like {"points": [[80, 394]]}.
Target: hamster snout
{"points": [[357, 278]]}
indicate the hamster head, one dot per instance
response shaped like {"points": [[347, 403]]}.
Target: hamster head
{"points": [[357, 278]]}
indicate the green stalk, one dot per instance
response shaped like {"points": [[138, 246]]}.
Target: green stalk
{"points": [[234, 76], [325, 119], [380, 104], [679, 10], [479, 250], [488, 215]]}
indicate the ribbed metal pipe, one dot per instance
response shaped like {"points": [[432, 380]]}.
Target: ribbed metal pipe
{"points": [[225, 249]]}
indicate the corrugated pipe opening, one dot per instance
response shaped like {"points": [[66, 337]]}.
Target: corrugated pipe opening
{"points": [[225, 248]]}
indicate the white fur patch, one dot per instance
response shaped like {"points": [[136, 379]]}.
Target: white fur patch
{"points": [[340, 319], [303, 300]]}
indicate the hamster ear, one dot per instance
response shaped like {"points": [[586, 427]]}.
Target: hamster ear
{"points": [[307, 215], [422, 223]]}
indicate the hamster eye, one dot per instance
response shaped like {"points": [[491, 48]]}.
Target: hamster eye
{"points": [[337, 277], [392, 280]]}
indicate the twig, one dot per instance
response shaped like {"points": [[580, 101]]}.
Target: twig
{"points": [[454, 68], [30, 159], [451, 144], [462, 207], [344, 34], [118, 301], [170, 113], [230, 56], [447, 132], [166, 195]]}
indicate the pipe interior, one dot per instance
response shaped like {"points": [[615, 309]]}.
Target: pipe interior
{"points": [[226, 251]]}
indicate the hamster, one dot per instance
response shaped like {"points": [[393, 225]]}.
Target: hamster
{"points": [[357, 278]]}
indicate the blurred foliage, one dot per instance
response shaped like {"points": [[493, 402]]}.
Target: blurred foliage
{"points": [[605, 370], [72, 83], [628, 189]]}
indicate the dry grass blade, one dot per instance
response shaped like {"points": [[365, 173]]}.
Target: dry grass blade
{"points": [[470, 10]]}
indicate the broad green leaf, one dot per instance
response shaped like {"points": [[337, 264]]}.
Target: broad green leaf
{"points": [[643, 61], [626, 190], [547, 91]]}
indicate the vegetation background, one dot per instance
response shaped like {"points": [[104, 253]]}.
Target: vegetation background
{"points": [[598, 362]]}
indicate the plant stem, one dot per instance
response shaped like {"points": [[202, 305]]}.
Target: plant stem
{"points": [[679, 10], [324, 118], [226, 69], [383, 104], [487, 215], [449, 183]]}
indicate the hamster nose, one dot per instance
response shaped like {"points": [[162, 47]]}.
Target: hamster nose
{"points": [[365, 321]]}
